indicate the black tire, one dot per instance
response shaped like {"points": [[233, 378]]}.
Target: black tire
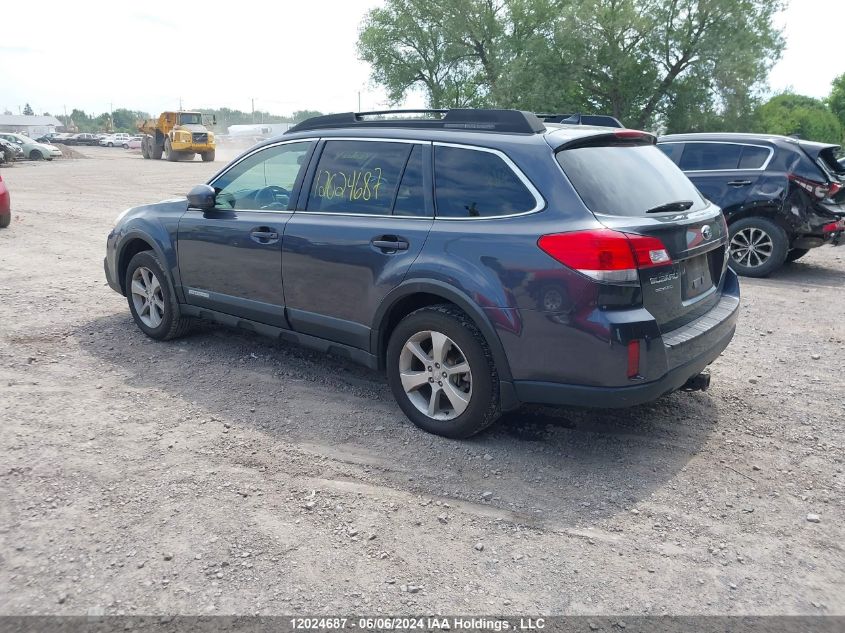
{"points": [[795, 254], [207, 157], [763, 263], [484, 407], [169, 153], [155, 150], [145, 148], [36, 155], [5, 220], [125, 146], [173, 324], [110, 144]]}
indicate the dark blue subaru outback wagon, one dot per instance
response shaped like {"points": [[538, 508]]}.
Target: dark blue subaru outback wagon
{"points": [[481, 258]]}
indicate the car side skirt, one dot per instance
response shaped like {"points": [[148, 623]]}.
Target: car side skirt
{"points": [[306, 340]]}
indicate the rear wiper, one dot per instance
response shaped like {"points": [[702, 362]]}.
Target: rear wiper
{"points": [[680, 205]]}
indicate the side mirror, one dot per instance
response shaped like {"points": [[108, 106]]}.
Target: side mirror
{"points": [[201, 197]]}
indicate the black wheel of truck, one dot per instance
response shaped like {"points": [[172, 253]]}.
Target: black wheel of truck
{"points": [[156, 151], [169, 153], [758, 247], [145, 147], [442, 373], [152, 301], [796, 254], [207, 157]]}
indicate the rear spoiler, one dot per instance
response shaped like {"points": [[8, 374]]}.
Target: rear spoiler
{"points": [[623, 137], [599, 120]]}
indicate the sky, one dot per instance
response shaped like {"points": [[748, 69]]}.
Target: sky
{"points": [[285, 56]]}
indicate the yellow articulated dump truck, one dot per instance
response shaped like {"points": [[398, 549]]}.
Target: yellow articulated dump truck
{"points": [[177, 136]]}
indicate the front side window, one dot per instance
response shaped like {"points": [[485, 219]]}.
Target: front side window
{"points": [[476, 184], [710, 156], [263, 181], [358, 177]]}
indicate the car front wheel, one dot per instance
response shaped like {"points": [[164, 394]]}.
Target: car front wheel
{"points": [[441, 372], [152, 300]]}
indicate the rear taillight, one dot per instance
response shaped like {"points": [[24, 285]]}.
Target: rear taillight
{"points": [[820, 190], [833, 227], [606, 255]]}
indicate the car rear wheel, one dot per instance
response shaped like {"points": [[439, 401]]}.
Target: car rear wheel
{"points": [[441, 372], [152, 300], [5, 220], [758, 247], [796, 254]]}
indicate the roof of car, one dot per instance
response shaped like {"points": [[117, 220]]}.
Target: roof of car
{"points": [[743, 137]]}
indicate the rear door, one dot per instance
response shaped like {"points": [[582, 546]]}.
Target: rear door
{"points": [[357, 229], [725, 173], [230, 258], [637, 189]]}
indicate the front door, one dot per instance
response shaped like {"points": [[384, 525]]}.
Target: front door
{"points": [[230, 258], [357, 229]]}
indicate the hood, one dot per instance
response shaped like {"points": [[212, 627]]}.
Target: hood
{"points": [[192, 127]]}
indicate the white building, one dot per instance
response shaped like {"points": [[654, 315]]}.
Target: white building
{"points": [[31, 125]]}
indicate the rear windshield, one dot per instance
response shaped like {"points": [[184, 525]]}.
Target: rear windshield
{"points": [[626, 180], [827, 157]]}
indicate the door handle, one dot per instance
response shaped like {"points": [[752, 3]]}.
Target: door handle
{"points": [[264, 235], [739, 183], [390, 243]]}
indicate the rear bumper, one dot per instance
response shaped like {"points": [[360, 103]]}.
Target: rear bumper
{"points": [[687, 351]]}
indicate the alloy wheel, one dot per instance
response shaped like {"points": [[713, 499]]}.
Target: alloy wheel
{"points": [[751, 247], [435, 375], [147, 297]]}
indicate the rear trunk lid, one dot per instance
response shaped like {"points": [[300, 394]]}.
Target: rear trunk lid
{"points": [[631, 186]]}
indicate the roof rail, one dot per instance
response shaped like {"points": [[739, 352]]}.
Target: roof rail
{"points": [[467, 119], [601, 120]]}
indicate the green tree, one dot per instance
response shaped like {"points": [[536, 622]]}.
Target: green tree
{"points": [[804, 116], [27, 110], [836, 100], [301, 115], [629, 58]]}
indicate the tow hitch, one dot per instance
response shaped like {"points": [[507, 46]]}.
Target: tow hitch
{"points": [[701, 382]]}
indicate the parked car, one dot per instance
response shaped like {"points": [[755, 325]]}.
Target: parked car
{"points": [[134, 142], [781, 196], [5, 205], [82, 138], [31, 148], [9, 152], [482, 260], [120, 139], [60, 137]]}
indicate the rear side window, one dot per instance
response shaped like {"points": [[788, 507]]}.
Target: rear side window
{"points": [[753, 157], [710, 156], [358, 177], [627, 180], [672, 150], [410, 198], [477, 184]]}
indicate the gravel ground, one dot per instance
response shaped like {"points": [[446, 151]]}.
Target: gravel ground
{"points": [[223, 473]]}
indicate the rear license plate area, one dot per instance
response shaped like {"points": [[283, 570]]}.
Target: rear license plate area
{"points": [[696, 277]]}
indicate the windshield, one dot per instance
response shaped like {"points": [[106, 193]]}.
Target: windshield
{"points": [[190, 118], [625, 180]]}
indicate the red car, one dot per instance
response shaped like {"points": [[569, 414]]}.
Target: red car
{"points": [[5, 205]]}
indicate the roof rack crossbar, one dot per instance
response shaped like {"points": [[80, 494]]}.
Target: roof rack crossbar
{"points": [[473, 120], [601, 120]]}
